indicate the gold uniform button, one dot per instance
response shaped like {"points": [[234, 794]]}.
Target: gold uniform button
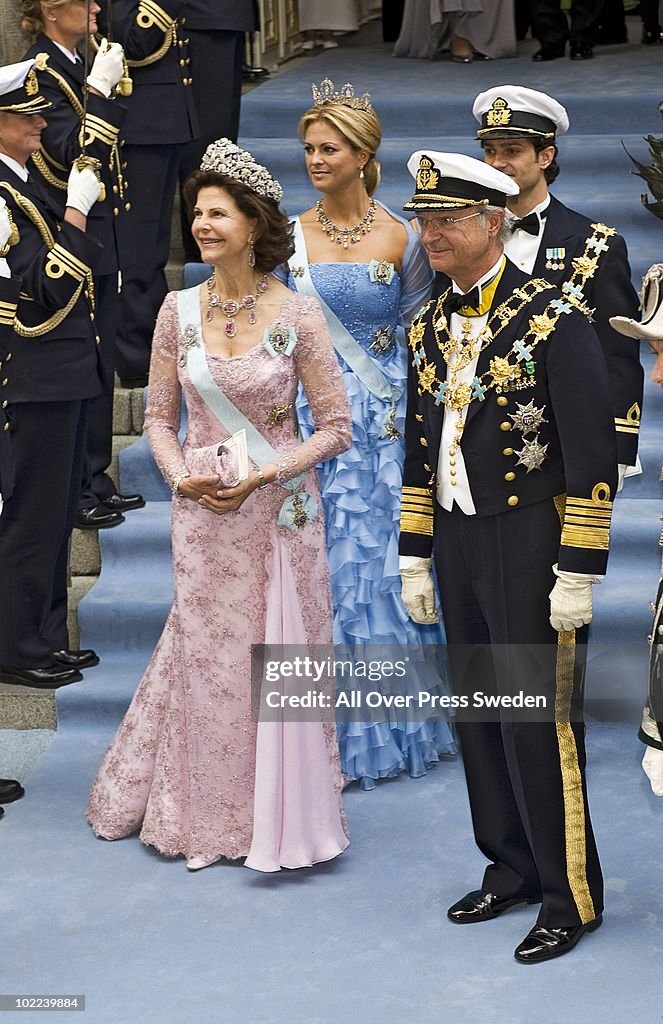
{"points": [[453, 483], [127, 206], [116, 211], [5, 404], [506, 425], [5, 382], [507, 451], [422, 440], [188, 60], [115, 188], [8, 357], [512, 501], [502, 400], [453, 472], [452, 462], [510, 476], [183, 22], [182, 62], [6, 426]]}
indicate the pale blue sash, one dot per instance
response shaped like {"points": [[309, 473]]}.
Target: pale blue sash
{"points": [[300, 507], [359, 361]]}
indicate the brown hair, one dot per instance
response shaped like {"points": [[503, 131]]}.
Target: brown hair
{"points": [[552, 170], [360, 128], [32, 15], [273, 234]]}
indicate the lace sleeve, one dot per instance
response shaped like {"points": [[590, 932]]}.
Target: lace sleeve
{"points": [[162, 416], [318, 370], [417, 278]]}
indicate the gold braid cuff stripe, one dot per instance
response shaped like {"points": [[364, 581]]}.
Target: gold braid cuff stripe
{"points": [[7, 313], [629, 424], [150, 15], [575, 831], [412, 523], [97, 128], [585, 537], [60, 261]]}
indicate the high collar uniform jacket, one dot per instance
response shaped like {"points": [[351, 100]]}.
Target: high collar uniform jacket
{"points": [[569, 386], [609, 293]]}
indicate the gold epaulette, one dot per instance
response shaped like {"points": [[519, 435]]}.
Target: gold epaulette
{"points": [[417, 511], [629, 424], [587, 520]]}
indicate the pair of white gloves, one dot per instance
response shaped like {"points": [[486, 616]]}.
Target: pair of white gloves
{"points": [[570, 598], [5, 235]]}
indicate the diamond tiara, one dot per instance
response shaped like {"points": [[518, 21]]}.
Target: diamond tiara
{"points": [[225, 157], [326, 93]]}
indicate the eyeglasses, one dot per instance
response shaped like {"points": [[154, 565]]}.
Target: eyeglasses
{"points": [[442, 223]]}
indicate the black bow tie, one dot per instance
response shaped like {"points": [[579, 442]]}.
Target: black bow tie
{"points": [[530, 223], [456, 301]]}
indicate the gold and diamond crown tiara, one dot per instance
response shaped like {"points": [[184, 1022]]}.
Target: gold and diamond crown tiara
{"points": [[225, 157], [326, 93]]}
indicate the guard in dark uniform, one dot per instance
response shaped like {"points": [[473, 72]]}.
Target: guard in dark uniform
{"points": [[49, 377], [510, 471], [61, 73], [216, 46], [586, 259], [551, 27], [161, 120]]}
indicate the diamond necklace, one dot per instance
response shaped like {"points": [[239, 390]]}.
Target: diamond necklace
{"points": [[343, 236], [230, 307]]}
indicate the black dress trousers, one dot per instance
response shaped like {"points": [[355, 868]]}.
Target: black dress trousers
{"points": [[550, 25], [48, 439], [525, 778]]}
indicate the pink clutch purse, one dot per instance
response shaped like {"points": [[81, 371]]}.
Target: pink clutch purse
{"points": [[214, 460]]}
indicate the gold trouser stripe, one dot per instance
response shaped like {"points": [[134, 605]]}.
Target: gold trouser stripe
{"points": [[574, 804]]}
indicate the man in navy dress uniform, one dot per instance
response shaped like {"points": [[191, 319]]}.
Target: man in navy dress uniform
{"points": [[587, 259], [510, 471], [48, 379]]}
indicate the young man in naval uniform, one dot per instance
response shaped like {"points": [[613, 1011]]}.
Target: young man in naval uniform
{"points": [[510, 471], [585, 258]]}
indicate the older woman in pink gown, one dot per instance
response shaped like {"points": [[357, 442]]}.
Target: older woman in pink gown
{"points": [[189, 767]]}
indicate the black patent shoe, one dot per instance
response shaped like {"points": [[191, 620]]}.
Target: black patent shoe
{"points": [[543, 944], [581, 51], [123, 502], [548, 53], [10, 790], [40, 678], [76, 659], [97, 518], [484, 906]]}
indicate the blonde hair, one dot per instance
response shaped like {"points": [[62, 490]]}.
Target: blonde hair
{"points": [[360, 128], [32, 15]]}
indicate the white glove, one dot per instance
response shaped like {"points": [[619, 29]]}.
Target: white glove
{"points": [[418, 592], [82, 189], [4, 268], [652, 765], [5, 224], [621, 470], [571, 600], [107, 69]]}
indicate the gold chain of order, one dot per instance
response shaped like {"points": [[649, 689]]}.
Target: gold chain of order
{"points": [[585, 266]]}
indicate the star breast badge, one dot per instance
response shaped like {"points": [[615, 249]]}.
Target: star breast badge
{"points": [[528, 418], [532, 454]]}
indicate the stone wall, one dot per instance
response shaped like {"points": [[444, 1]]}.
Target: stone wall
{"points": [[13, 43]]}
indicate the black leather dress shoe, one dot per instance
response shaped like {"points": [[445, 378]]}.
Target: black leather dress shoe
{"points": [[97, 518], [76, 659], [581, 51], [41, 678], [134, 382], [2, 812], [483, 906], [548, 53], [123, 502], [546, 943], [10, 790]]}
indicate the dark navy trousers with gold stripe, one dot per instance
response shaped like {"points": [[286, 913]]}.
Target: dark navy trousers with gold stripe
{"points": [[525, 778]]}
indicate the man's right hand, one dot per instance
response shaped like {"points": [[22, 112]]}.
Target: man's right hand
{"points": [[83, 189], [418, 592]]}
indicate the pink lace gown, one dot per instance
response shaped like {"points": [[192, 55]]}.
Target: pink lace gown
{"points": [[188, 766]]}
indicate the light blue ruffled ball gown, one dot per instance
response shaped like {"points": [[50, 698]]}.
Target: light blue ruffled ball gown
{"points": [[361, 494]]}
